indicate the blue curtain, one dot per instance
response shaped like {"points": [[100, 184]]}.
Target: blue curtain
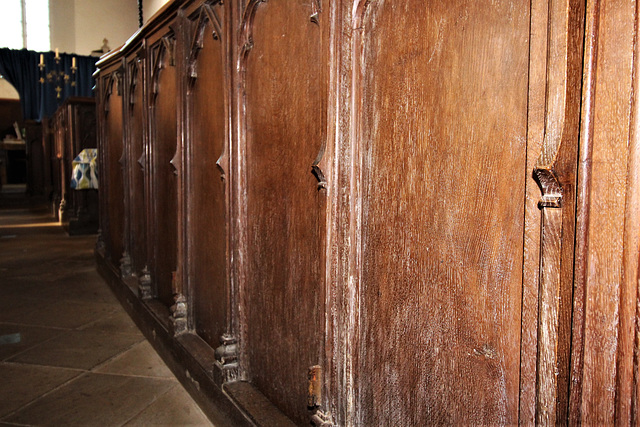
{"points": [[42, 88]]}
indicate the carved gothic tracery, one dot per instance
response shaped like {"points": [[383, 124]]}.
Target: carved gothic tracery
{"points": [[163, 54], [209, 14]]}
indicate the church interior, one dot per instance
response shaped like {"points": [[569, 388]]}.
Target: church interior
{"points": [[322, 212]]}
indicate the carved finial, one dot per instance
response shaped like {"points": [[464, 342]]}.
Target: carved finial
{"points": [[227, 358], [125, 265], [144, 285], [179, 314], [321, 419]]}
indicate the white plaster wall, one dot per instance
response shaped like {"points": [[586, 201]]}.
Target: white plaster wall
{"points": [[7, 91], [150, 7], [115, 20], [62, 23]]}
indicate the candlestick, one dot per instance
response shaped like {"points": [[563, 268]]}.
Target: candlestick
{"points": [[41, 59], [73, 62], [57, 54]]}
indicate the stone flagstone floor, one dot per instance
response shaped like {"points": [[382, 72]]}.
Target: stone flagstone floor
{"points": [[69, 354]]}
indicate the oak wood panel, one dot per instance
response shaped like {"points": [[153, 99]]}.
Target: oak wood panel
{"points": [[206, 258], [285, 99], [114, 182], [136, 163], [443, 137], [628, 377], [163, 126]]}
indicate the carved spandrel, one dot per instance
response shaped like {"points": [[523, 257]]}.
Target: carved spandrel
{"points": [[227, 358], [125, 265], [247, 29], [209, 14], [133, 80], [118, 80], [179, 314], [163, 54], [110, 81], [145, 291]]}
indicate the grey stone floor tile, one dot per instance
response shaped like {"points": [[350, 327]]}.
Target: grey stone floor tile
{"points": [[174, 408], [116, 323], [19, 338], [140, 360], [23, 383], [78, 349], [80, 360], [93, 400], [13, 310], [64, 313]]}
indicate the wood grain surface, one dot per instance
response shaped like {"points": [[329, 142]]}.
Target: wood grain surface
{"points": [[285, 98], [443, 163], [432, 206]]}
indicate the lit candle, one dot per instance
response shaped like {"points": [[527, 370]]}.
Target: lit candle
{"points": [[73, 62], [41, 59], [57, 54]]}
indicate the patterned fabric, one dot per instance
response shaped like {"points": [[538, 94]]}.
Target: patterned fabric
{"points": [[85, 170]]}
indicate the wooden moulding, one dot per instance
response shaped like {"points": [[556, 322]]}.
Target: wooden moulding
{"points": [[555, 172]]}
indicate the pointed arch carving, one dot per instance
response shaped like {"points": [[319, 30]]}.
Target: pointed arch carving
{"points": [[162, 55], [106, 93], [208, 14], [113, 78], [134, 71], [246, 29]]}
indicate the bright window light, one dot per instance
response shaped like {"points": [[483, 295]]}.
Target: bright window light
{"points": [[38, 35], [11, 28], [33, 33]]}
